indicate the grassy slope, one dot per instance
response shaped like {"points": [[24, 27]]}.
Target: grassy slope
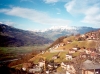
{"points": [[48, 55], [87, 44]]}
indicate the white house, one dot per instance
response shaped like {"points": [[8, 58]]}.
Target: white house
{"points": [[63, 65], [68, 57]]}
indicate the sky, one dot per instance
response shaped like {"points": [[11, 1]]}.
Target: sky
{"points": [[44, 14]]}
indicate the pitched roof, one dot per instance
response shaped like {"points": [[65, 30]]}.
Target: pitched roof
{"points": [[88, 64]]}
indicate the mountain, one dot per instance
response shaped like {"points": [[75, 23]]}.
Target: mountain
{"points": [[10, 36], [56, 32]]}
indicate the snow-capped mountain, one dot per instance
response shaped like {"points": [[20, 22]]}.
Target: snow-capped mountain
{"points": [[64, 27], [55, 32]]}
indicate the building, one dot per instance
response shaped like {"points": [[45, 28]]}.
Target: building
{"points": [[90, 67]]}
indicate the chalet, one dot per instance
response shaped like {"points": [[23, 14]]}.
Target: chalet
{"points": [[90, 67], [26, 66], [68, 57], [71, 51], [63, 65], [68, 41], [62, 44], [75, 48], [93, 55], [83, 49], [87, 51], [54, 57], [82, 36], [68, 67], [83, 55], [50, 66], [34, 70], [41, 63], [91, 36]]}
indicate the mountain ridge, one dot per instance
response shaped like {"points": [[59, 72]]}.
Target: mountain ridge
{"points": [[56, 32], [10, 36]]}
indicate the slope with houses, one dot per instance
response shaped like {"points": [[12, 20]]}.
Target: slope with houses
{"points": [[77, 54]]}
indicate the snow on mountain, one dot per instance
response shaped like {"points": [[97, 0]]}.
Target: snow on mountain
{"points": [[58, 31], [64, 27], [56, 28]]}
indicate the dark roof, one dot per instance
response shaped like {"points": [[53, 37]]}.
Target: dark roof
{"points": [[88, 64]]}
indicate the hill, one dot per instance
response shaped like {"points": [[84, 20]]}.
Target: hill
{"points": [[89, 40], [79, 48], [10, 36]]}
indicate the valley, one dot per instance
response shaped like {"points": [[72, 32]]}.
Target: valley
{"points": [[22, 50], [9, 53], [69, 51]]}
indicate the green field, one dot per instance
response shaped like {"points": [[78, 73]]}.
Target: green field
{"points": [[7, 53]]}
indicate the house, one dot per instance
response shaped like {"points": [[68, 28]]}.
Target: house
{"points": [[90, 67], [75, 48], [71, 51], [68, 41], [62, 44], [31, 68], [63, 65], [83, 35], [93, 55], [68, 57], [83, 55], [54, 57], [83, 49], [87, 51], [50, 66], [68, 67], [26, 66], [34, 70], [42, 52], [41, 63]]}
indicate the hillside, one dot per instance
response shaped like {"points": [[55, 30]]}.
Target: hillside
{"points": [[10, 36], [65, 44]]}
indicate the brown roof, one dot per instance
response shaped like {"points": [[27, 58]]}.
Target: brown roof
{"points": [[88, 64]]}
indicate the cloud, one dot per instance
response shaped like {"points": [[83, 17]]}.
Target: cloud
{"points": [[79, 6], [7, 22], [35, 16], [76, 6], [26, 1], [50, 1], [92, 16], [90, 9], [55, 1]]}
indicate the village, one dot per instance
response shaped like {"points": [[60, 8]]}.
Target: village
{"points": [[49, 36], [58, 59]]}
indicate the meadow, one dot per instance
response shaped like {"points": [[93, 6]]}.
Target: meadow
{"points": [[7, 53]]}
